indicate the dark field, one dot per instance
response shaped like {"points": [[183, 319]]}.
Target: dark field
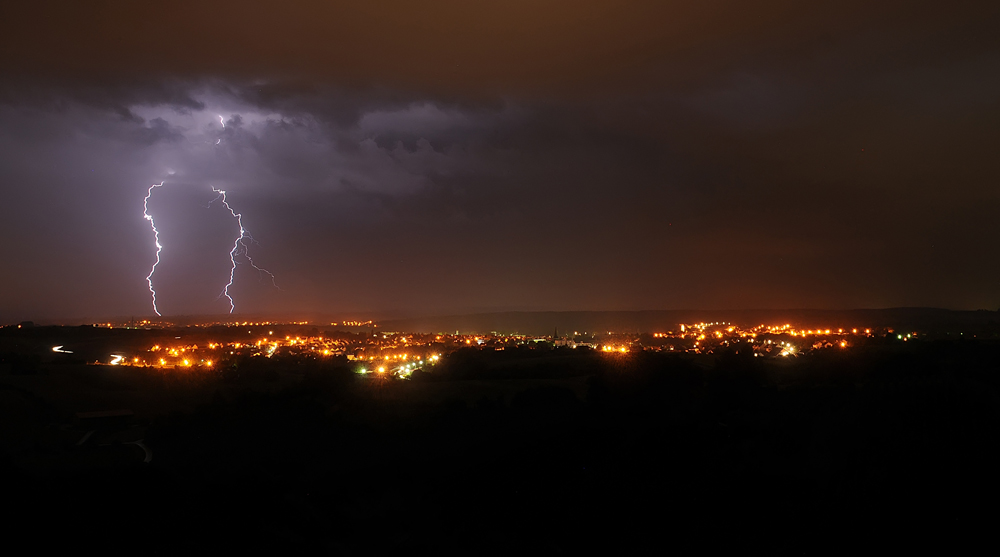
{"points": [[889, 447]]}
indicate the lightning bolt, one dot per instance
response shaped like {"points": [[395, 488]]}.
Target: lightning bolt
{"points": [[156, 239], [240, 247], [223, 122]]}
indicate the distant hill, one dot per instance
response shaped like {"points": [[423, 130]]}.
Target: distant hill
{"points": [[545, 322]]}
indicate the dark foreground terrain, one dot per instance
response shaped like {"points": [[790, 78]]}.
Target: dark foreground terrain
{"points": [[887, 447]]}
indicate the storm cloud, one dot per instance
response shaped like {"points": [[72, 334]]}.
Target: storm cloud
{"points": [[458, 157]]}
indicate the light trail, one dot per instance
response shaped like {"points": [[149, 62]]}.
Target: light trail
{"points": [[156, 238], [240, 247]]}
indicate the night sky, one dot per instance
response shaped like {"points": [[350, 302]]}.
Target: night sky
{"points": [[452, 157]]}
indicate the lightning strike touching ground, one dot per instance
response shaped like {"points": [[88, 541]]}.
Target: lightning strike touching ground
{"points": [[240, 247], [156, 239]]}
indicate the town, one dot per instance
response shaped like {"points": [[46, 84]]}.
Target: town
{"points": [[402, 353]]}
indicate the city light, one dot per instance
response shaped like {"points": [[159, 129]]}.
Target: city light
{"points": [[398, 354]]}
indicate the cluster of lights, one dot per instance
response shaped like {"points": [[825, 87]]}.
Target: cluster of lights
{"points": [[354, 323], [707, 337], [401, 369], [399, 363]]}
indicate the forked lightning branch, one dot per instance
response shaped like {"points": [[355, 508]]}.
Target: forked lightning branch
{"points": [[239, 254]]}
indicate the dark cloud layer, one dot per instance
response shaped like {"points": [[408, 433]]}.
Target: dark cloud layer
{"points": [[462, 156]]}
